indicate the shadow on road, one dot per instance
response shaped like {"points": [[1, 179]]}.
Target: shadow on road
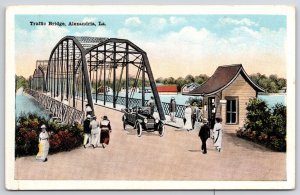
{"points": [[194, 150]]}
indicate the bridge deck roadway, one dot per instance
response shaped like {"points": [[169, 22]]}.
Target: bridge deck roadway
{"points": [[175, 156]]}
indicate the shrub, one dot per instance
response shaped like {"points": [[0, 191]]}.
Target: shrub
{"points": [[62, 137], [193, 100], [258, 116], [265, 126]]}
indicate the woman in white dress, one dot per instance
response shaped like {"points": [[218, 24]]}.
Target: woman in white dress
{"points": [[43, 145], [95, 131], [218, 134], [188, 117]]}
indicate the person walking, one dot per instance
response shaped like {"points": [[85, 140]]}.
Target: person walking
{"points": [[172, 109], [200, 116], [187, 116], [87, 132], [204, 135], [95, 131], [195, 114], [218, 134], [43, 145], [105, 131], [151, 104]]}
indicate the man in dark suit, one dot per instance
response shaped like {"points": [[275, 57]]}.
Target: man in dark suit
{"points": [[87, 140], [204, 135]]}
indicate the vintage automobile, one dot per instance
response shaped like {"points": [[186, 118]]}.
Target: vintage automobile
{"points": [[142, 120]]}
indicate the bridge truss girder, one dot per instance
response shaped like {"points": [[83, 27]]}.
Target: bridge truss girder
{"points": [[74, 62], [113, 54]]}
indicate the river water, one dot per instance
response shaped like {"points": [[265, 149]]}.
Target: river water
{"points": [[27, 104], [271, 99]]}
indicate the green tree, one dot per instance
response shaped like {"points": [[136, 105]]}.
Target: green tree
{"points": [[189, 79], [169, 80], [21, 82], [179, 82], [258, 116], [159, 80], [201, 78], [278, 120], [271, 84]]}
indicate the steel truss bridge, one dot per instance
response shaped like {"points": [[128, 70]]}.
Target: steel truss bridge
{"points": [[86, 68]]}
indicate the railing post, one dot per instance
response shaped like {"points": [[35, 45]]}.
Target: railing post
{"points": [[143, 84], [127, 74], [114, 77], [74, 74], [104, 79]]}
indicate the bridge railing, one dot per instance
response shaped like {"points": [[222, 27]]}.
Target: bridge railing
{"points": [[138, 102], [65, 113]]}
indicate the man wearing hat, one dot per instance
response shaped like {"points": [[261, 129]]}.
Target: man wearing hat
{"points": [[87, 132], [204, 135], [172, 109], [43, 145], [151, 104]]}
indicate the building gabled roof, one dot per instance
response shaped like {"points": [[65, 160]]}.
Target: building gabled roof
{"points": [[222, 78]]}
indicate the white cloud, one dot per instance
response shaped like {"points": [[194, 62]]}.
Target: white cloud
{"points": [[125, 33], [97, 32], [133, 21], [190, 50], [197, 51], [177, 20], [244, 31], [36, 45], [242, 22], [157, 23], [191, 34]]}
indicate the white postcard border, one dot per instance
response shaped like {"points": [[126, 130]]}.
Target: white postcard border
{"points": [[13, 184]]}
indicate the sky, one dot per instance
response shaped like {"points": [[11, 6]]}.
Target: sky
{"points": [[176, 45]]}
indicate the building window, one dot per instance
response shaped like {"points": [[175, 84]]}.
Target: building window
{"points": [[232, 110]]}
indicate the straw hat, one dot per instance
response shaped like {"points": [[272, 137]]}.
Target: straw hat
{"points": [[88, 116], [43, 126]]}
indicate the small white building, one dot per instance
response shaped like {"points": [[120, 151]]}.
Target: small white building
{"points": [[189, 87]]}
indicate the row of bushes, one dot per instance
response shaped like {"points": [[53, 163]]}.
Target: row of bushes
{"points": [[62, 137], [264, 125]]}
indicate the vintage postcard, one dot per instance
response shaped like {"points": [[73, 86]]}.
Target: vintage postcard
{"points": [[150, 97]]}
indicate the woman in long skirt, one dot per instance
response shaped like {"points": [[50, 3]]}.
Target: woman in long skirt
{"points": [[43, 145], [218, 134], [188, 117], [105, 131]]}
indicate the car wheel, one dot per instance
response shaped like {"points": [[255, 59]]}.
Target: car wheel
{"points": [[139, 129], [161, 130]]}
